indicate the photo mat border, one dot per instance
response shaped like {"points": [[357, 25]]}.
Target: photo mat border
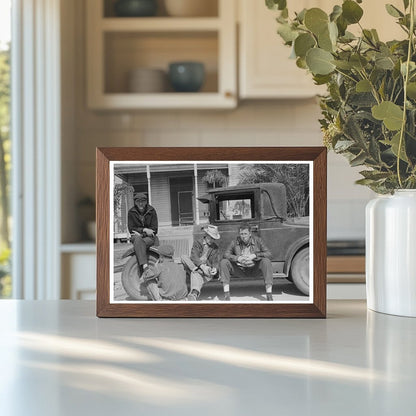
{"points": [[314, 309]]}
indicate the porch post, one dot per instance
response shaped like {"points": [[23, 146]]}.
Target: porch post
{"points": [[196, 194], [149, 190]]}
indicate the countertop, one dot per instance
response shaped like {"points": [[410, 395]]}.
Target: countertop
{"points": [[57, 358]]}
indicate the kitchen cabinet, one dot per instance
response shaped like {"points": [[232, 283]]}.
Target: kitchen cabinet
{"points": [[118, 45], [265, 70]]}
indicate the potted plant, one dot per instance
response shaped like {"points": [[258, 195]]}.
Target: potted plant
{"points": [[369, 116]]}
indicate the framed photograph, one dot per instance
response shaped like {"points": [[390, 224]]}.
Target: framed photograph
{"points": [[211, 232]]}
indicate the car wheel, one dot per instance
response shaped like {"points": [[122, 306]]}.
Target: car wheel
{"points": [[300, 270], [130, 277]]}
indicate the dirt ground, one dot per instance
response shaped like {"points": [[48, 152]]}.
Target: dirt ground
{"points": [[241, 291]]}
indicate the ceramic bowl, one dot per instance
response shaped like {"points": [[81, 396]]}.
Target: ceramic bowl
{"points": [[147, 80], [135, 8], [186, 76]]}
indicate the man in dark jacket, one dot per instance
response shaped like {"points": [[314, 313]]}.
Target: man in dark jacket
{"points": [[142, 224], [204, 260], [246, 256]]}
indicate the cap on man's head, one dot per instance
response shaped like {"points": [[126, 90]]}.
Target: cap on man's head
{"points": [[163, 250], [212, 231], [140, 196]]}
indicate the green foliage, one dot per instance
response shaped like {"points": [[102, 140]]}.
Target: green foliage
{"points": [[294, 176], [366, 117], [5, 281], [215, 177]]}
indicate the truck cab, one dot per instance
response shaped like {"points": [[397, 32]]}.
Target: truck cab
{"points": [[264, 207]]}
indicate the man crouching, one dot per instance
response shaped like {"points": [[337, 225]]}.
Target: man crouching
{"points": [[204, 261], [246, 256], [165, 280]]}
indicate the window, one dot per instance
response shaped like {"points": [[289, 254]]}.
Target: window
{"points": [[5, 159], [236, 207]]}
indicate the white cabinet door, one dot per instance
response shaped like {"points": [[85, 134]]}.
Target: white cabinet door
{"points": [[265, 68]]}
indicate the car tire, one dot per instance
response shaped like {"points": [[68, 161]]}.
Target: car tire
{"points": [[300, 270], [131, 280]]}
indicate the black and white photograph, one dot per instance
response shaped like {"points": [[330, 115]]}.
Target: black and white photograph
{"points": [[209, 231]]}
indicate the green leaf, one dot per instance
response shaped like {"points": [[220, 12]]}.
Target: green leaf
{"points": [[287, 33], [359, 160], [319, 61], [336, 12], [301, 63], [276, 4], [406, 4], [411, 90], [375, 35], [363, 86], [351, 11], [343, 145], [316, 20], [303, 43], [325, 42], [342, 25], [384, 62], [347, 37], [393, 11], [395, 141], [374, 174], [358, 61], [301, 15], [321, 79], [391, 114], [344, 65]]}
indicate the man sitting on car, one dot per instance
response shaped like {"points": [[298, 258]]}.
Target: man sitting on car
{"points": [[204, 260], [246, 256], [142, 225]]}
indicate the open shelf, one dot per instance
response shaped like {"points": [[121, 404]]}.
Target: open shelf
{"points": [[118, 45]]}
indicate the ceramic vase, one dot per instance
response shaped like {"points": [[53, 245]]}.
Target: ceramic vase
{"points": [[391, 253]]}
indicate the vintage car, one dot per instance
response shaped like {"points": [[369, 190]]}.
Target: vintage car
{"points": [[264, 207]]}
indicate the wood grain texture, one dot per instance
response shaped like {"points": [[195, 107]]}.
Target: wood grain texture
{"points": [[346, 264], [210, 310]]}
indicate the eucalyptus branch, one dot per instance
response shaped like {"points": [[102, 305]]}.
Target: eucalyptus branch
{"points": [[373, 88], [405, 81], [346, 75]]}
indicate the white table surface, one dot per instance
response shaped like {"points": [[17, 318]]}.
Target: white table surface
{"points": [[57, 358]]}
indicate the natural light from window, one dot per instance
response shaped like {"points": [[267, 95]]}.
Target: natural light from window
{"points": [[5, 147]]}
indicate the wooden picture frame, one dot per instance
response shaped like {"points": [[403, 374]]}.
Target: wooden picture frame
{"points": [[149, 160]]}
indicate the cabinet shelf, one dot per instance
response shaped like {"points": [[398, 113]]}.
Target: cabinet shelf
{"points": [[198, 100], [160, 24], [118, 46]]}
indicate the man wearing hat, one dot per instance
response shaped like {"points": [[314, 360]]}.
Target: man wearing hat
{"points": [[165, 280], [142, 225], [204, 260]]}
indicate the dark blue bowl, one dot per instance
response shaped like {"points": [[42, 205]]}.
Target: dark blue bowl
{"points": [[135, 8], [186, 76]]}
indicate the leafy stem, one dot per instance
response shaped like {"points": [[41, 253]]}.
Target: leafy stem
{"points": [[405, 81]]}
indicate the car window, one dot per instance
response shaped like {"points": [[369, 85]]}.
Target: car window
{"points": [[267, 205], [235, 207]]}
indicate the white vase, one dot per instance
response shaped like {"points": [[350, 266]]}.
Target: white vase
{"points": [[391, 253]]}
